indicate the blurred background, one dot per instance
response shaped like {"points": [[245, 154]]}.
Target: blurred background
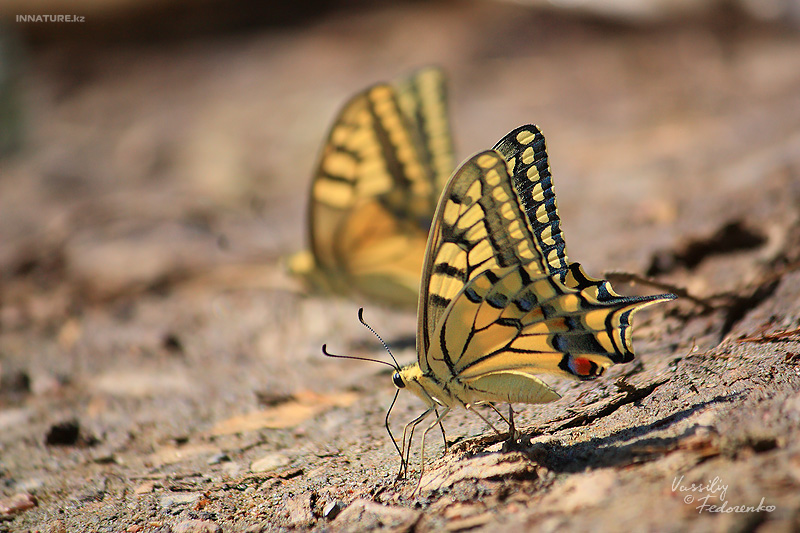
{"points": [[149, 138], [157, 155], [162, 144]]}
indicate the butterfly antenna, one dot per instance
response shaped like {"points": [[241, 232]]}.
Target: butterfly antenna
{"points": [[327, 353], [385, 346]]}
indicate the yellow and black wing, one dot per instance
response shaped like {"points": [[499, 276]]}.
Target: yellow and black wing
{"points": [[423, 100], [387, 156], [499, 301]]}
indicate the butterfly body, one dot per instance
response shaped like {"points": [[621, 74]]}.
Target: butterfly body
{"points": [[503, 386]]}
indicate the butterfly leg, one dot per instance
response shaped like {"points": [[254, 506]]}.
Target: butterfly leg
{"points": [[438, 421], [444, 437], [511, 442], [512, 430], [471, 409], [405, 455], [403, 465]]}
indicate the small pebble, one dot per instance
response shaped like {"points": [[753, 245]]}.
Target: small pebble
{"points": [[145, 488], [63, 433], [16, 504], [332, 509], [269, 463], [218, 458], [197, 526], [176, 499], [299, 511]]}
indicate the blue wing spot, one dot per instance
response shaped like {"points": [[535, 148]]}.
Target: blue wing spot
{"points": [[560, 343], [497, 300], [471, 295], [524, 305]]}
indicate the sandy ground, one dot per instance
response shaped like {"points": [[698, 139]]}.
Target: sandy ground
{"points": [[161, 373]]}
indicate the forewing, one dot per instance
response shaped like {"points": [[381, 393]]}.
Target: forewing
{"points": [[528, 164], [477, 227], [504, 214], [423, 99]]}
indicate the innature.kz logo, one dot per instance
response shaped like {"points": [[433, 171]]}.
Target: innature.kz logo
{"points": [[50, 18]]}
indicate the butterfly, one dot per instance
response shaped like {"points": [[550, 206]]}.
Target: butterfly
{"points": [[387, 158], [500, 303]]}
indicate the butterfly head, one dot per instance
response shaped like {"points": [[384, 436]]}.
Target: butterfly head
{"points": [[397, 379], [428, 389], [403, 377], [407, 377]]}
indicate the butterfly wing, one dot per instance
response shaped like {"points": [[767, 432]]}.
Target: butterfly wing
{"points": [[499, 300], [423, 99], [374, 192], [526, 153]]}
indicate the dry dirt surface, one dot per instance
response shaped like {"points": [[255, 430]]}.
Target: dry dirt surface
{"points": [[161, 373]]}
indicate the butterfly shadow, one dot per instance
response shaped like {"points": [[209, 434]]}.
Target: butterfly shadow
{"points": [[608, 451]]}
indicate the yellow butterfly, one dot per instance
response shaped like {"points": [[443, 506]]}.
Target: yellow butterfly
{"points": [[387, 158], [499, 301]]}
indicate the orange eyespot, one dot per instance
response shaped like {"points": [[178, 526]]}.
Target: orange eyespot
{"points": [[582, 366]]}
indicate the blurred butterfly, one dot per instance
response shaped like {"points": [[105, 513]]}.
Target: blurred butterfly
{"points": [[387, 158], [499, 301]]}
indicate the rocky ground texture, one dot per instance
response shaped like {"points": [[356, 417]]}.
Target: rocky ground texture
{"points": [[159, 371]]}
